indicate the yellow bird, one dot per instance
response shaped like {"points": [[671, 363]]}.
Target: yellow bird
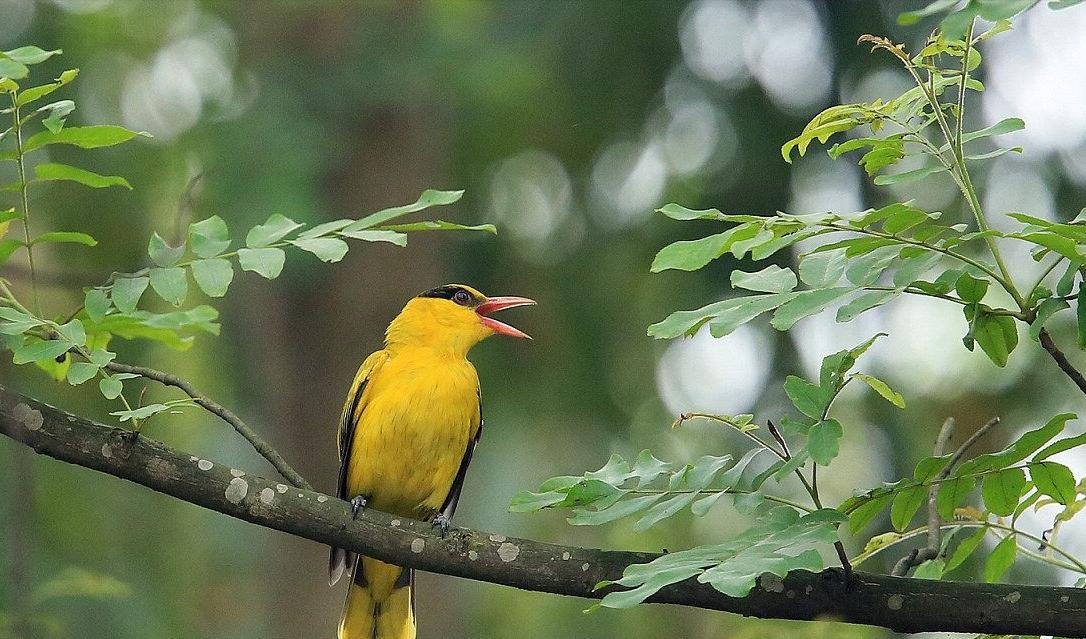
{"points": [[409, 426]]}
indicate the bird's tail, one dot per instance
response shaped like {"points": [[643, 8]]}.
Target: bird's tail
{"points": [[380, 604]]}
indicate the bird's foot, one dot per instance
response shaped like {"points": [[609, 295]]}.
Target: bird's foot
{"points": [[358, 504], [442, 522]]}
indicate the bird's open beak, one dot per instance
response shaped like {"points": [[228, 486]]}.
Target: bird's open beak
{"points": [[494, 304]]}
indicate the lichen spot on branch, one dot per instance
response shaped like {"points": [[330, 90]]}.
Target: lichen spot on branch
{"points": [[508, 552], [28, 417], [237, 490]]}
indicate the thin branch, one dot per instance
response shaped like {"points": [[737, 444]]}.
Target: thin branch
{"points": [[258, 443], [931, 551], [900, 604], [964, 448], [1061, 360]]}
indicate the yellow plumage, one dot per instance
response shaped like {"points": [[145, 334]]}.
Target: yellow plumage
{"points": [[409, 426]]}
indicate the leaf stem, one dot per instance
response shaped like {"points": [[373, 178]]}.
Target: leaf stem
{"points": [[23, 188]]}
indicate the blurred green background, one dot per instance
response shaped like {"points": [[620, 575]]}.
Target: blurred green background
{"points": [[567, 123]]}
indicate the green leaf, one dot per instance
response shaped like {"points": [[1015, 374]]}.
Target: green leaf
{"points": [[905, 505], [810, 399], [325, 228], [36, 93], [274, 229], [1080, 314], [97, 304], [16, 322], [1001, 559], [73, 332], [111, 387], [953, 492], [143, 412], [40, 350], [1045, 310], [804, 304], [86, 137], [829, 122], [213, 276], [726, 315], [7, 247], [209, 237], [52, 171], [779, 542], [863, 303], [30, 54], [440, 225], [392, 237], [57, 112], [912, 17], [930, 569], [80, 372], [677, 212], [965, 549], [1002, 490], [327, 249], [429, 197], [11, 69], [883, 389], [527, 501], [997, 336], [161, 253], [693, 254], [126, 292], [171, 284], [624, 508], [1009, 125], [820, 270], [823, 441], [1059, 446], [865, 270], [1022, 447], [908, 176], [971, 289], [1053, 479], [265, 261], [771, 279], [865, 512], [69, 237]]}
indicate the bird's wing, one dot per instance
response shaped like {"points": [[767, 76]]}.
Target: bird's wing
{"points": [[352, 410], [449, 507]]}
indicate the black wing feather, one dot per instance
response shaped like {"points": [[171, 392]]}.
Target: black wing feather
{"points": [[338, 558], [449, 507]]}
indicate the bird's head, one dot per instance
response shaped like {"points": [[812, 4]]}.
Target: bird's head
{"points": [[452, 317]]}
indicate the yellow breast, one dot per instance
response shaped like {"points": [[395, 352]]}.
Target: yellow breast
{"points": [[422, 413]]}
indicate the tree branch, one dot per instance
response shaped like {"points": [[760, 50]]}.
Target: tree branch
{"points": [[904, 605], [1061, 360]]}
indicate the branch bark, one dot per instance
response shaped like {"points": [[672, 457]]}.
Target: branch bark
{"points": [[1061, 360], [901, 604]]}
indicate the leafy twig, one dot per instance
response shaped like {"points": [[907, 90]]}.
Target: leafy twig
{"points": [[258, 443]]}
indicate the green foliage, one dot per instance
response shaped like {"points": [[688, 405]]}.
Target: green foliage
{"points": [[857, 261], [781, 540], [73, 346]]}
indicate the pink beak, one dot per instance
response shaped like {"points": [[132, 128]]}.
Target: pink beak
{"points": [[494, 304]]}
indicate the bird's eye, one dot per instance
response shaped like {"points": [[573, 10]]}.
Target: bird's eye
{"points": [[462, 297]]}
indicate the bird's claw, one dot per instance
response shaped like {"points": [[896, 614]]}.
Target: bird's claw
{"points": [[442, 522], [358, 503]]}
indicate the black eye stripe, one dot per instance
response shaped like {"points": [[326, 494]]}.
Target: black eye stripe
{"points": [[453, 293]]}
